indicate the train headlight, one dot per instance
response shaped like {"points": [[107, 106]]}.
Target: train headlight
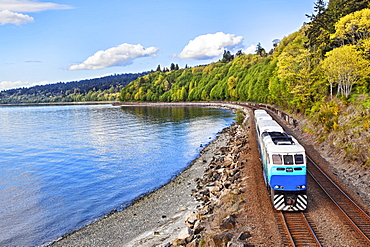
{"points": [[301, 187], [276, 187]]}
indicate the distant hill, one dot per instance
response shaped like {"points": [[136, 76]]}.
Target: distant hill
{"points": [[98, 89]]}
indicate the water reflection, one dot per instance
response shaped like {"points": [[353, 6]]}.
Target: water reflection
{"points": [[63, 167]]}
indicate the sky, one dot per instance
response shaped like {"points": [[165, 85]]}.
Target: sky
{"points": [[44, 42]]}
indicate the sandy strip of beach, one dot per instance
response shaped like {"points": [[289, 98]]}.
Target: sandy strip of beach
{"points": [[154, 219]]}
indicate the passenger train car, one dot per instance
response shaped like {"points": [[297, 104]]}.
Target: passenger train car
{"points": [[284, 164]]}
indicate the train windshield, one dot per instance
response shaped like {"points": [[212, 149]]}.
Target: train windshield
{"points": [[299, 159], [288, 159], [278, 159]]}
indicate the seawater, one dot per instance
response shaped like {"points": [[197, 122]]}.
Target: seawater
{"points": [[63, 167]]}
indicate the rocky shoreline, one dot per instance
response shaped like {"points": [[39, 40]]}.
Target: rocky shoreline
{"points": [[216, 201], [158, 217]]}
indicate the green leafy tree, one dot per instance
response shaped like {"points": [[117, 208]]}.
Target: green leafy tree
{"points": [[353, 28], [344, 67], [295, 70], [232, 82]]}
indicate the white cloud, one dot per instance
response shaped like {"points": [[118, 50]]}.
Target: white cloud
{"points": [[251, 49], [29, 6], [210, 46], [121, 55], [9, 10], [5, 85], [7, 16]]}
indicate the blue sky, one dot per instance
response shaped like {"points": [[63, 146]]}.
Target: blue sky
{"points": [[45, 41]]}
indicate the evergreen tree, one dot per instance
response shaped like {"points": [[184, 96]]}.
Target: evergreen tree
{"points": [[227, 57], [260, 51], [319, 9], [239, 53]]}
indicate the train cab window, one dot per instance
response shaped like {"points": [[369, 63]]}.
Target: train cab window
{"points": [[298, 158], [288, 160], [276, 159]]}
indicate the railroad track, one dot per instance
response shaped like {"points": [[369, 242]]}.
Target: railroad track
{"points": [[355, 217], [297, 229]]}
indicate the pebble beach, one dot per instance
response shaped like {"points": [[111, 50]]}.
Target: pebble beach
{"points": [[153, 219]]}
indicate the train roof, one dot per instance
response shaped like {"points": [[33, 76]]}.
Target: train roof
{"points": [[281, 138], [268, 125], [259, 118], [281, 142], [296, 148], [258, 113]]}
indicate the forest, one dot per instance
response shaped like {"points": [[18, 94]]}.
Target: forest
{"points": [[321, 72], [99, 89]]}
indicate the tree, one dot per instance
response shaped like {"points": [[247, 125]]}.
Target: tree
{"points": [[231, 83], [260, 50], [340, 8], [172, 67], [319, 29], [275, 42], [227, 57], [295, 70], [344, 67], [239, 53], [158, 68], [319, 9], [353, 28]]}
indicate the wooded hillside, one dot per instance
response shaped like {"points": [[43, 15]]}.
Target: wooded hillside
{"points": [[98, 89], [318, 71]]}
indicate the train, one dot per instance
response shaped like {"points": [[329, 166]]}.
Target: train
{"points": [[283, 162]]}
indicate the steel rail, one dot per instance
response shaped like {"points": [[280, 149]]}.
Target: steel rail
{"points": [[288, 234], [313, 234], [338, 204], [299, 229]]}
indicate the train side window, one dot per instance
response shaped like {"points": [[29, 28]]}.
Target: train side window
{"points": [[288, 159], [265, 134], [299, 159], [276, 159]]}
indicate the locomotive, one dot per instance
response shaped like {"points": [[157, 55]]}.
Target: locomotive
{"points": [[284, 164]]}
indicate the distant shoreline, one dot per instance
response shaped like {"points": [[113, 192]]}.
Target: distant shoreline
{"points": [[63, 103]]}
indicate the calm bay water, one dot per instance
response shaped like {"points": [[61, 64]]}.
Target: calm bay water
{"points": [[63, 167]]}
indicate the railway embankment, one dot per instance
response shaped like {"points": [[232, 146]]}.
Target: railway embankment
{"points": [[234, 209]]}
